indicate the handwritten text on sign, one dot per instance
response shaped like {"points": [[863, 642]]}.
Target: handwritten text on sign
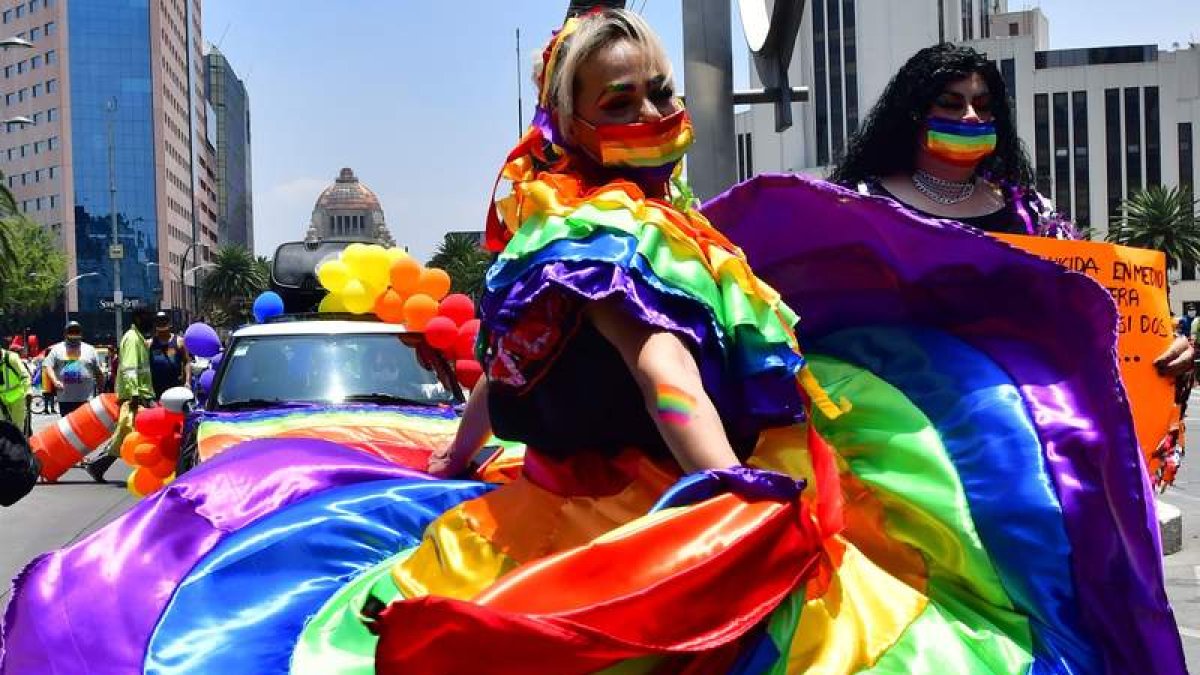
{"points": [[1137, 280]]}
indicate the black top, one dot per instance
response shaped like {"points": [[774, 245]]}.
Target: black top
{"points": [[1006, 220], [585, 400]]}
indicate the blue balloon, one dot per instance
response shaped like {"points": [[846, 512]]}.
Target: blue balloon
{"points": [[201, 340], [215, 362], [267, 305], [204, 385]]}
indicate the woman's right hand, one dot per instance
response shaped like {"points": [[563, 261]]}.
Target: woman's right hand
{"points": [[446, 464]]}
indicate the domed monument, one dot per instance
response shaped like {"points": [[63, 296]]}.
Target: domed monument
{"points": [[349, 210]]}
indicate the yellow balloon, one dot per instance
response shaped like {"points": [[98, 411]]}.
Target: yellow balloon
{"points": [[375, 267], [333, 275], [356, 298], [395, 253], [354, 254], [332, 303]]}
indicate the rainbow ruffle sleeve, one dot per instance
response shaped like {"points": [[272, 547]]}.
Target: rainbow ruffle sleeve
{"points": [[668, 268]]}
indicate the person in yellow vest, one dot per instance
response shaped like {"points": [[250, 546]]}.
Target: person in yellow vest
{"points": [[134, 388], [14, 388]]}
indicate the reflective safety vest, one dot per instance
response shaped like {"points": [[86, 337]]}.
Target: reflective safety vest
{"points": [[13, 385]]}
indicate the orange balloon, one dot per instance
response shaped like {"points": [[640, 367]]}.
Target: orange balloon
{"points": [[130, 444], [405, 273], [390, 307], [434, 282], [418, 310], [141, 482], [147, 454], [162, 469]]}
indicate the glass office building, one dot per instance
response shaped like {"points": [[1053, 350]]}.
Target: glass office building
{"points": [[112, 99]]}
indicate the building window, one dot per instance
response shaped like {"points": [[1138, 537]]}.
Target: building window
{"points": [[52, 143], [819, 74], [941, 4], [1079, 123], [37, 90], [1112, 149], [20, 67], [34, 34], [51, 114], [1187, 178], [51, 86], [836, 108], [1153, 139], [49, 28], [741, 157], [968, 22], [35, 61], [1062, 155], [1008, 72], [20, 10], [1133, 141], [51, 57], [1041, 142], [53, 201], [7, 15], [851, 46], [1014, 29], [50, 172]]}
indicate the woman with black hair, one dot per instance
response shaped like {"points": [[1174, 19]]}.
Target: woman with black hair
{"points": [[941, 141]]}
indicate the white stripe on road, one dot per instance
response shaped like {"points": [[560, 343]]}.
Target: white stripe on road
{"points": [[1190, 632]]}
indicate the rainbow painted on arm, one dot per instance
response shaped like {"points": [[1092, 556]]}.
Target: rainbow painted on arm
{"points": [[675, 406]]}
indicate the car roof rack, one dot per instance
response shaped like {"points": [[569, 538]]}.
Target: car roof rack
{"points": [[321, 316]]}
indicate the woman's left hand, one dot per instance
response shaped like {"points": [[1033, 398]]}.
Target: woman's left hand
{"points": [[1177, 360]]}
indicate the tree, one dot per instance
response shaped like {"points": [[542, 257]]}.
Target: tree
{"points": [[10, 218], [465, 261], [33, 280], [231, 286], [1163, 219]]}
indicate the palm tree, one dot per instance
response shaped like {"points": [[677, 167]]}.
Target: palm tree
{"points": [[464, 260], [233, 282], [10, 218], [1163, 219]]}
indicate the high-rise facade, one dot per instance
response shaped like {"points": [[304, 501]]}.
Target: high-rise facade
{"points": [[227, 95], [116, 93]]}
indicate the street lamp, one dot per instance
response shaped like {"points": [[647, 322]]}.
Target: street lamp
{"points": [[67, 294], [13, 41]]}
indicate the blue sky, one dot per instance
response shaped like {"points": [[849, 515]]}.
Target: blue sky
{"points": [[420, 97]]}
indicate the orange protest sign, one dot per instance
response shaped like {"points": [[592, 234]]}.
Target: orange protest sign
{"points": [[1137, 280]]}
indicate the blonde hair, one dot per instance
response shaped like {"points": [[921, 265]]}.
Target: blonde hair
{"points": [[595, 31]]}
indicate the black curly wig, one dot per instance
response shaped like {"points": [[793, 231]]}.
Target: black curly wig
{"points": [[888, 139]]}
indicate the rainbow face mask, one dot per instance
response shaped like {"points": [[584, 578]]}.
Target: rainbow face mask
{"points": [[641, 145], [959, 143]]}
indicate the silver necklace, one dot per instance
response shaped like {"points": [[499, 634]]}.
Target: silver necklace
{"points": [[942, 191]]}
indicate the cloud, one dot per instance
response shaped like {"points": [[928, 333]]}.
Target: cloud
{"points": [[282, 212]]}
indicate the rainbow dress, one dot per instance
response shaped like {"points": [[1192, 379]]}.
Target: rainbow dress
{"points": [[979, 506]]}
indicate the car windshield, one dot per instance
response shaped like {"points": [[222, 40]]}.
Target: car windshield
{"points": [[372, 368]]}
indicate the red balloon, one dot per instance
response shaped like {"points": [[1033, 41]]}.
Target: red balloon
{"points": [[464, 345], [468, 372], [440, 332], [170, 446], [458, 308], [154, 423]]}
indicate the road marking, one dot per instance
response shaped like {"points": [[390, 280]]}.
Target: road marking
{"points": [[1189, 632]]}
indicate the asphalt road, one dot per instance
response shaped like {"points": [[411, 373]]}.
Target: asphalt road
{"points": [[55, 515]]}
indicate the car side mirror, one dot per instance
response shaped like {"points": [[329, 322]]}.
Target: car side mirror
{"points": [[178, 400]]}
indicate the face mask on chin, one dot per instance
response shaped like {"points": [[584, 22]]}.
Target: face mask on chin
{"points": [[74, 340]]}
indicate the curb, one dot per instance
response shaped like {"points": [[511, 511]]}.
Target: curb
{"points": [[1170, 527]]}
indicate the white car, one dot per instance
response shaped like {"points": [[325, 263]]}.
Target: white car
{"points": [[377, 370]]}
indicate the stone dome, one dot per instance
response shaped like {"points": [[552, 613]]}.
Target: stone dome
{"points": [[349, 210], [348, 193]]}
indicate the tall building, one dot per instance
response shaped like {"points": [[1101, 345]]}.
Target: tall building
{"points": [[110, 83], [1099, 123], [347, 209], [227, 94]]}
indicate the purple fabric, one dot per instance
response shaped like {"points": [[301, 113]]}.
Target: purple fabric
{"points": [[757, 484], [841, 260], [93, 605]]}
